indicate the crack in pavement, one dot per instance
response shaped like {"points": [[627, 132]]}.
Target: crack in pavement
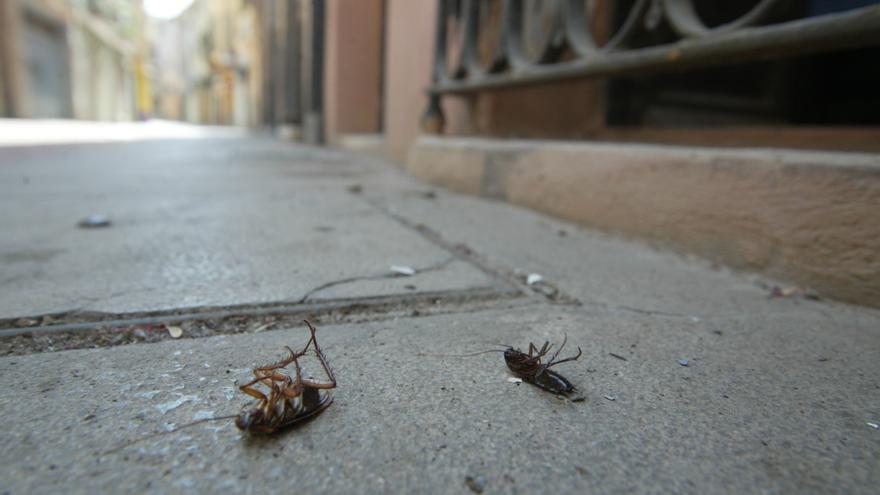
{"points": [[153, 328], [465, 253], [436, 266]]}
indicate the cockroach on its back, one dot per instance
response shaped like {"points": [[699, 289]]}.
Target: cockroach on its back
{"points": [[289, 399], [530, 368]]}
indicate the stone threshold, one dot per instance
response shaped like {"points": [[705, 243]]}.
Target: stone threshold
{"points": [[809, 217]]}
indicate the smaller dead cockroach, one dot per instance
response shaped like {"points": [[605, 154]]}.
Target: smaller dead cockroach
{"points": [[530, 368]]}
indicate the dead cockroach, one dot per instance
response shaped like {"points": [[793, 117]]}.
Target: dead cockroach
{"points": [[530, 368], [289, 399]]}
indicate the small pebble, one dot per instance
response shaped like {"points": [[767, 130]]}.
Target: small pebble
{"points": [[475, 483], [94, 222], [684, 362]]}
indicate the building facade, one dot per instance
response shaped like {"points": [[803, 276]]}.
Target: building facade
{"points": [[208, 63], [78, 59]]}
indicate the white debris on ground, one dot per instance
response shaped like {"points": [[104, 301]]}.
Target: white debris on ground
{"points": [[403, 270]]}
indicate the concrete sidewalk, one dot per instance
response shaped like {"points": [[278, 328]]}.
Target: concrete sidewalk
{"points": [[778, 394]]}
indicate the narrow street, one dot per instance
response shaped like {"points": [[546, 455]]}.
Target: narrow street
{"points": [[693, 379]]}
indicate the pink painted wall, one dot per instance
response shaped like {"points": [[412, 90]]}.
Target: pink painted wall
{"points": [[352, 67], [408, 54]]}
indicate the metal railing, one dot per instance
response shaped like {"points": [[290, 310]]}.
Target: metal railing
{"points": [[485, 44]]}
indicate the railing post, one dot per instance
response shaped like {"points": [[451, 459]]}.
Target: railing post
{"points": [[433, 121]]}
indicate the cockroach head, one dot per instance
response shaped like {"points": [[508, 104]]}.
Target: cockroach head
{"points": [[249, 419]]}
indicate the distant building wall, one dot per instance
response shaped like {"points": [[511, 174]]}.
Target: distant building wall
{"points": [[2, 92], [409, 43], [35, 56], [352, 67], [208, 63], [69, 59], [10, 66]]}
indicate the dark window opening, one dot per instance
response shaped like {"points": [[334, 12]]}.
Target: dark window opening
{"points": [[828, 89]]}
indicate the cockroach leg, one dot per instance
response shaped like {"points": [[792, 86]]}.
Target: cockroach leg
{"points": [[323, 360], [532, 349], [572, 358], [561, 346], [284, 362], [262, 376], [550, 361], [248, 389], [539, 353]]}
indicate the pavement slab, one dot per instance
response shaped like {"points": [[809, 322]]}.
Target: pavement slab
{"points": [[200, 224], [755, 410]]}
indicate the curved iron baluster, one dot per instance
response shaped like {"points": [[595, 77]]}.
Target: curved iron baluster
{"points": [[469, 51], [516, 41], [685, 21], [497, 61], [460, 12], [582, 40], [433, 121], [438, 68]]}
